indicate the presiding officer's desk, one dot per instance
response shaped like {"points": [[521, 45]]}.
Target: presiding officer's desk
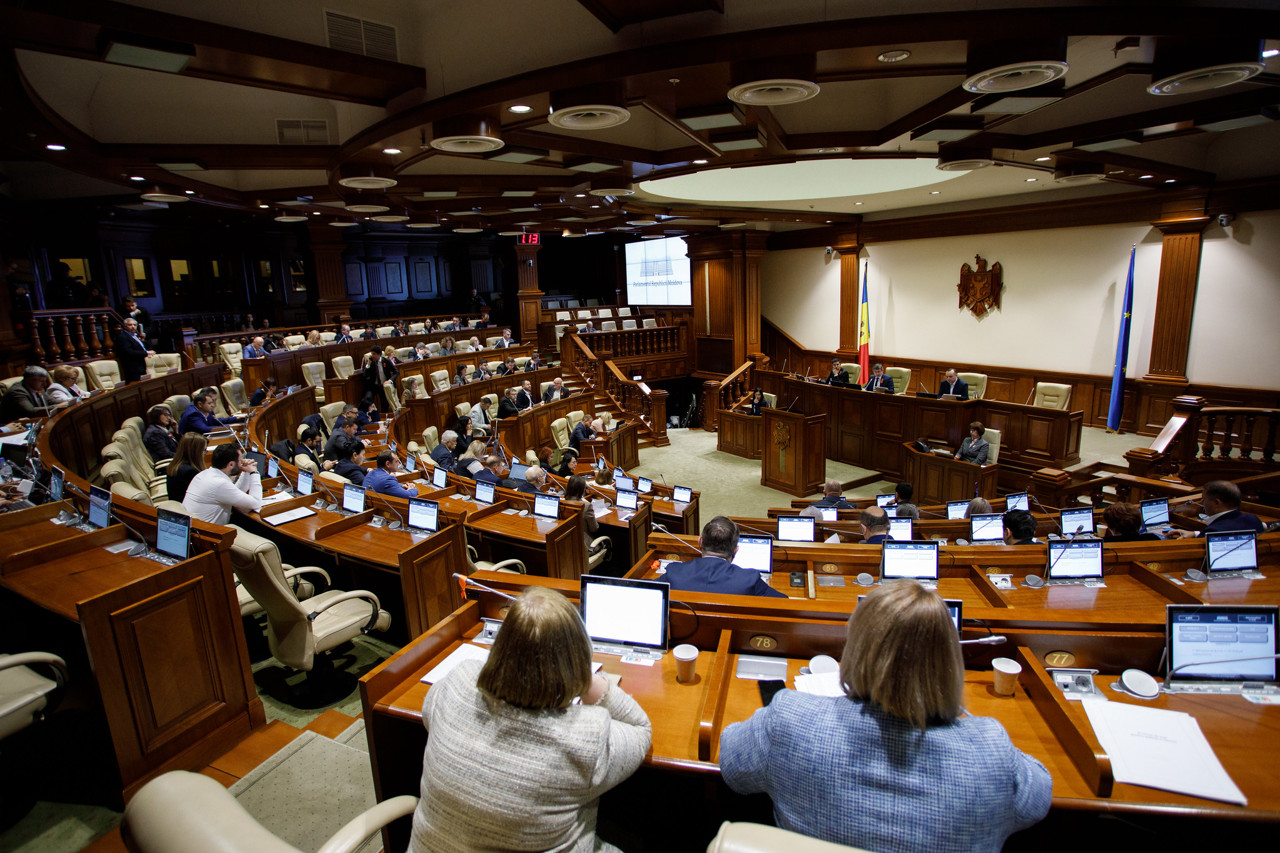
{"points": [[689, 718]]}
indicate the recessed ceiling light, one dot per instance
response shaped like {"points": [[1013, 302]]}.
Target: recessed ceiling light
{"points": [[579, 195], [390, 150], [344, 223], [167, 198], [315, 213], [290, 217], [699, 162], [896, 55], [53, 146], [189, 192], [140, 178], [1170, 180], [261, 206], [1032, 180], [935, 192], [1268, 54], [1043, 159], [519, 108], [1145, 177], [857, 204]]}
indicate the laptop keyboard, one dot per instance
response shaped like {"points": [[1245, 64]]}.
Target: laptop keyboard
{"points": [[1226, 688], [623, 651]]}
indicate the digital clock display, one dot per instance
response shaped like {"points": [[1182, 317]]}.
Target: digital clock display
{"points": [[528, 239]]}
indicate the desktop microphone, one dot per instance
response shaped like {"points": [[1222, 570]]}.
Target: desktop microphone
{"points": [[784, 365], [1138, 683], [1029, 396], [1045, 509], [993, 640], [742, 526], [189, 358], [138, 549], [920, 382], [865, 579], [793, 402], [602, 495], [465, 582], [72, 517], [927, 512], [1035, 581], [395, 525]]}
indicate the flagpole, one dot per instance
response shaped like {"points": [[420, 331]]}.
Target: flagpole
{"points": [[1115, 412]]}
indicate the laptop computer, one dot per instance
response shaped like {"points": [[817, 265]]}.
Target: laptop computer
{"points": [[681, 494], [273, 467], [57, 481], [439, 478], [1076, 522], [624, 483], [755, 552], [1074, 563], [173, 537], [352, 498], [626, 617], [626, 500], [1154, 512], [986, 527], [795, 528], [411, 462], [546, 506], [955, 609], [1017, 500], [900, 529], [644, 485], [956, 510], [885, 500], [1197, 635], [99, 507], [484, 493], [1230, 554], [917, 559], [829, 513], [424, 515]]}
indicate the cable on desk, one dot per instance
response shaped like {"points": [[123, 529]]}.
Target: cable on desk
{"points": [[697, 621]]}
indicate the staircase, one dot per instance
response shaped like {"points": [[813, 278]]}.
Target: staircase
{"points": [[576, 382]]}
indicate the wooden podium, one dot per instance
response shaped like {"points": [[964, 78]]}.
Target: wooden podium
{"points": [[938, 479], [793, 450]]}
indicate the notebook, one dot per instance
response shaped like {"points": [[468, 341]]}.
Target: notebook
{"points": [[644, 485], [795, 528], [917, 560], [955, 609], [273, 467], [411, 462], [987, 527], [1198, 634], [628, 500], [57, 480], [518, 470], [1074, 562], [885, 500], [624, 616]]}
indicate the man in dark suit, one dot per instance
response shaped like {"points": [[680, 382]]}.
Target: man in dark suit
{"points": [[837, 376], [507, 407], [310, 448], [524, 397], [344, 335], [953, 384], [442, 453], [554, 391], [505, 341], [26, 399], [131, 352], [351, 462], [494, 471], [584, 432], [534, 362], [879, 379], [875, 525], [832, 495], [714, 571], [507, 367], [379, 369], [1222, 513]]}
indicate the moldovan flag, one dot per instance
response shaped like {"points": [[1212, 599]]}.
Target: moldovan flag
{"points": [[864, 333]]}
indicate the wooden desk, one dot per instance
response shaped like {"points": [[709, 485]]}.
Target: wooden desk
{"points": [[793, 452], [938, 478], [738, 433], [619, 446]]}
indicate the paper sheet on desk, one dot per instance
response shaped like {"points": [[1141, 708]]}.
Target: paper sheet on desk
{"points": [[820, 684], [288, 515], [1160, 749]]}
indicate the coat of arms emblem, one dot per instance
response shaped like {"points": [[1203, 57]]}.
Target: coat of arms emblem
{"points": [[980, 288]]}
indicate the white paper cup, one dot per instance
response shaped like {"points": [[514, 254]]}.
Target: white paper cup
{"points": [[823, 663], [1006, 672], [686, 656]]}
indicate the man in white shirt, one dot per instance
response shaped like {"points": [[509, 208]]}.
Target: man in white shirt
{"points": [[212, 494]]}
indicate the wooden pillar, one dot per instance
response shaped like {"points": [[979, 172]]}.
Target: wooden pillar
{"points": [[1176, 298], [726, 300], [327, 247], [849, 301], [529, 296]]}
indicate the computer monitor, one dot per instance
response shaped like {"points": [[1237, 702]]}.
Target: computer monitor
{"points": [[795, 528], [755, 552], [273, 467], [1017, 500], [439, 477], [916, 559], [173, 534], [1155, 512], [305, 479], [260, 458], [624, 483], [1221, 632], [1230, 551], [15, 454], [99, 507], [352, 497], [890, 511], [955, 607], [618, 472], [628, 500], [546, 506], [1076, 521], [411, 462], [424, 515], [518, 470], [900, 529], [57, 481], [829, 513], [644, 485], [986, 527], [484, 493], [885, 500], [681, 494], [956, 509], [625, 612], [1074, 561], [601, 464]]}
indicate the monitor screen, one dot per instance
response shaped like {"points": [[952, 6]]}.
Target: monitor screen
{"points": [[439, 477], [1076, 521], [273, 467], [890, 511], [15, 454], [546, 506], [1233, 551], [900, 529], [624, 483], [644, 485], [885, 500], [99, 507], [755, 552], [795, 528], [829, 513], [260, 458], [518, 470], [628, 500], [173, 533], [484, 493], [57, 479], [956, 608], [682, 494], [917, 560], [987, 527], [1155, 512], [1075, 560], [619, 610], [618, 472], [304, 482], [601, 464], [1017, 500], [956, 509], [411, 462], [352, 498], [424, 515], [1201, 632]]}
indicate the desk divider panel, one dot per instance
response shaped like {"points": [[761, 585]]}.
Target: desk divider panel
{"points": [[426, 577], [1080, 744], [566, 549], [344, 523], [711, 718]]}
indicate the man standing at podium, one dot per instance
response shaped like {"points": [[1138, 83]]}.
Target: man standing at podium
{"points": [[714, 571], [953, 384]]}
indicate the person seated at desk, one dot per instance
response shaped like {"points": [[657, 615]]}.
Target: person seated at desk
{"points": [[344, 335], [64, 388], [522, 747], [314, 339], [308, 454], [1221, 503], [494, 470], [524, 397], [894, 764], [476, 346], [879, 380], [26, 399], [534, 482], [366, 415], [199, 415], [212, 494], [507, 406], [383, 480], [161, 438], [554, 391], [974, 448], [480, 420], [1019, 528], [264, 392], [453, 325], [837, 376], [507, 367], [255, 349], [344, 433], [481, 373], [575, 489], [187, 461], [584, 432], [460, 376], [1124, 524], [471, 462], [757, 403], [832, 496], [350, 464], [953, 384], [449, 346], [442, 453], [420, 351], [874, 522], [534, 362], [902, 494], [977, 506], [505, 341], [714, 571]]}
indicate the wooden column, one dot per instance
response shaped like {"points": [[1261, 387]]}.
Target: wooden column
{"points": [[849, 268], [529, 296], [1175, 301], [726, 300], [327, 247]]}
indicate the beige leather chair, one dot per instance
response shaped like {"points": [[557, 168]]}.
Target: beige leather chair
{"points": [[103, 375], [628, 324], [357, 334], [462, 346], [306, 463], [563, 315], [433, 349], [993, 438], [474, 323], [424, 459], [513, 566], [393, 397], [178, 405], [233, 391], [131, 492], [649, 323], [329, 413], [385, 331], [328, 337], [300, 634], [771, 399], [574, 418], [977, 383], [430, 438], [6, 384], [463, 410], [490, 342], [560, 433], [164, 362], [440, 380], [231, 355], [467, 370], [297, 578], [608, 326], [25, 694], [313, 375], [759, 838], [853, 371], [604, 312], [405, 353], [624, 311], [584, 315], [343, 366], [521, 361], [1051, 395], [294, 341], [417, 328], [181, 810], [901, 378], [413, 389]]}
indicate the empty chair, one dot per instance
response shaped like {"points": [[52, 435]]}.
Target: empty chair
{"points": [[329, 413], [440, 380], [1051, 395], [343, 366], [164, 362], [624, 311], [598, 552], [628, 324], [103, 374], [560, 433], [993, 438], [405, 353], [551, 305], [131, 492], [313, 375], [328, 337], [608, 326], [385, 331], [463, 346], [297, 578], [563, 315], [521, 361], [233, 392], [25, 694], [593, 301], [231, 354], [977, 383], [648, 323], [294, 341], [417, 328], [604, 312], [512, 566], [584, 315], [572, 303], [393, 396], [853, 371]]}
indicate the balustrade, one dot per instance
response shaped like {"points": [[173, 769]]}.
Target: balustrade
{"points": [[71, 335]]}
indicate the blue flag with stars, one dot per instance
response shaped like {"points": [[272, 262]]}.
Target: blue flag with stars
{"points": [[1122, 353]]}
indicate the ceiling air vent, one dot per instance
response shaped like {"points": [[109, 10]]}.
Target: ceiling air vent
{"points": [[363, 37], [291, 131]]}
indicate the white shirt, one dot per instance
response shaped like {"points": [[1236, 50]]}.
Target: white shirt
{"points": [[63, 394], [212, 495]]}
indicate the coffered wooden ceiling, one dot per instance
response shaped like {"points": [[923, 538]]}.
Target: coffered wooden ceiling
{"points": [[212, 132]]}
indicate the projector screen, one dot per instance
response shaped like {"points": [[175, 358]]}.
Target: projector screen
{"points": [[658, 272]]}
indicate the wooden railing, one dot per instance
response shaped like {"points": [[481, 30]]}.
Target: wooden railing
{"points": [[637, 398], [577, 357], [725, 394], [73, 335], [1202, 443]]}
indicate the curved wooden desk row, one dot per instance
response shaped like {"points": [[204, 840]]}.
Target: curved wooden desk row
{"points": [[689, 718], [352, 388]]}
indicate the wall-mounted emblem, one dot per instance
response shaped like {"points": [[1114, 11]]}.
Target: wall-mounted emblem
{"points": [[980, 288]]}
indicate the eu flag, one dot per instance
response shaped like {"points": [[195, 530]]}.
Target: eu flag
{"points": [[1122, 353]]}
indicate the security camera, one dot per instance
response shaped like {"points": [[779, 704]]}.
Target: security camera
{"points": [[830, 250], [1225, 219]]}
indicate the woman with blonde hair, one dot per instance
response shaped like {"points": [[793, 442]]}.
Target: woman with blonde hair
{"points": [[521, 749], [472, 460], [894, 764], [187, 461], [314, 339]]}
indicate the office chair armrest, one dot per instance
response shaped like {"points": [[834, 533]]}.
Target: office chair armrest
{"points": [[348, 596], [351, 836], [57, 664], [513, 562], [599, 543], [290, 572]]}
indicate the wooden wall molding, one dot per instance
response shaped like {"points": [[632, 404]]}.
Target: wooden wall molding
{"points": [[849, 304], [1175, 298]]}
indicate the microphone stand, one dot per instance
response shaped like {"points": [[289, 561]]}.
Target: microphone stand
{"points": [[466, 582]]}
